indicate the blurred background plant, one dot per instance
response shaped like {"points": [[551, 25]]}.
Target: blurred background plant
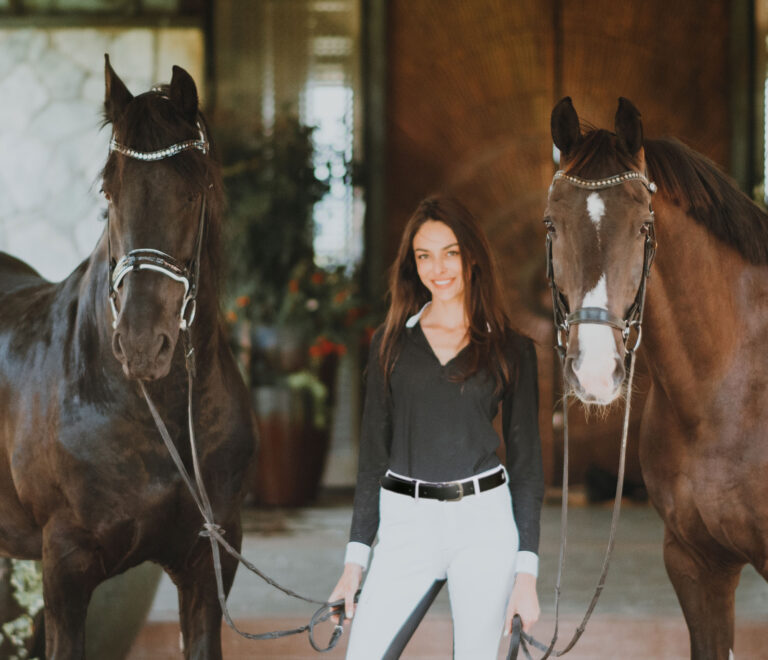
{"points": [[22, 599], [286, 314], [327, 306], [290, 320], [271, 188]]}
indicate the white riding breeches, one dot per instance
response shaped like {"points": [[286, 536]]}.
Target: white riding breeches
{"points": [[471, 543]]}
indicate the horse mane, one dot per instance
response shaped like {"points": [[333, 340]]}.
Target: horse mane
{"points": [[708, 195], [689, 179], [150, 122]]}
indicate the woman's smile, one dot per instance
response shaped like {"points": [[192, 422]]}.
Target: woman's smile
{"points": [[438, 260]]}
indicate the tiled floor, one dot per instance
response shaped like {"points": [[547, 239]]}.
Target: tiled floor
{"points": [[637, 617], [606, 638]]}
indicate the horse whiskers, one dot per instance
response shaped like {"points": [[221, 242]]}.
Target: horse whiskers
{"points": [[599, 412]]}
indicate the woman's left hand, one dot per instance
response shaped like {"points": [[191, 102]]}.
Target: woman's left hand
{"points": [[524, 602]]}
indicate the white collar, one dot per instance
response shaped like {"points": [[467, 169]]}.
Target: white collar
{"points": [[413, 320]]}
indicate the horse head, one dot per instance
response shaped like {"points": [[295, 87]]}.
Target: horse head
{"points": [[600, 241], [156, 181]]}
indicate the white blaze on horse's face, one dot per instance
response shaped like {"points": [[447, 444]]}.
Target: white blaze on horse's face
{"points": [[597, 263], [595, 365], [599, 238], [596, 210], [597, 355]]}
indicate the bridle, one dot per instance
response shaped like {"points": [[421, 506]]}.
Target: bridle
{"points": [[564, 319], [188, 275], [150, 259], [633, 319]]}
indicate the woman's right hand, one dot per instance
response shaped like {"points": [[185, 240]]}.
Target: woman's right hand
{"points": [[346, 588]]}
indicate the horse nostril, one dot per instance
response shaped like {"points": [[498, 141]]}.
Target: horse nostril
{"points": [[165, 346], [117, 347], [570, 369], [618, 373]]}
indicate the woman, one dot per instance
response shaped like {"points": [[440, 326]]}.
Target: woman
{"points": [[429, 480]]}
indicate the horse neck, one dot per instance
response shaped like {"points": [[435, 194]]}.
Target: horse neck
{"points": [[692, 318], [92, 331]]}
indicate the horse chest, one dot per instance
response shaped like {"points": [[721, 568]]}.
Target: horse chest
{"points": [[705, 494]]}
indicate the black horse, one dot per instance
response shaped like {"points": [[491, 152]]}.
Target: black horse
{"points": [[86, 483]]}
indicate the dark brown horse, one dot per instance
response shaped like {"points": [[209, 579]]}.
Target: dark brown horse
{"points": [[702, 443], [86, 483]]}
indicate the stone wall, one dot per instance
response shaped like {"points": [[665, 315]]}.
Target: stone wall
{"points": [[51, 145]]}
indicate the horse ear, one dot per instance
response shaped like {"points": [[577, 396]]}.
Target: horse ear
{"points": [[629, 128], [565, 126], [116, 96], [183, 94]]}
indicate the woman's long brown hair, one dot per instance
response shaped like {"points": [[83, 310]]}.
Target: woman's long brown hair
{"points": [[489, 323]]}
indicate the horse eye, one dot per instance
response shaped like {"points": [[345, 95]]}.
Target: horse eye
{"points": [[645, 228], [107, 196], [549, 225]]}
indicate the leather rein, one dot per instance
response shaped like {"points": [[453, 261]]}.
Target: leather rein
{"points": [[564, 319], [188, 275]]}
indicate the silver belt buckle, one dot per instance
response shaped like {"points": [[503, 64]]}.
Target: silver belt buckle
{"points": [[461, 492]]}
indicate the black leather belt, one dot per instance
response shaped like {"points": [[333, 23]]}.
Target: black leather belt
{"points": [[449, 491]]}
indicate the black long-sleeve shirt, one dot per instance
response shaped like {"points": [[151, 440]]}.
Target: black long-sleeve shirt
{"points": [[425, 426]]}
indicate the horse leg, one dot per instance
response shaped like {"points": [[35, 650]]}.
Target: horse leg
{"points": [[199, 608], [706, 590], [71, 571]]}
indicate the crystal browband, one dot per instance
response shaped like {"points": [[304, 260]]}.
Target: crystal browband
{"points": [[608, 182], [201, 144]]}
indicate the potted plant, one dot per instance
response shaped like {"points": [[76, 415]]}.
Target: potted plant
{"points": [[271, 188], [290, 320]]}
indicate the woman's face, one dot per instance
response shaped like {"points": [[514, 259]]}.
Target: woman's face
{"points": [[438, 261]]}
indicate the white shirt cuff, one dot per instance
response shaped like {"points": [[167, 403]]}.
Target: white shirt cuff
{"points": [[358, 553], [527, 562]]}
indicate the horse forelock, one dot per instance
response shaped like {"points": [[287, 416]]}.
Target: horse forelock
{"points": [[599, 154]]}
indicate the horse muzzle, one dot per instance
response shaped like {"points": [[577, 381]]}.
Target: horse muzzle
{"points": [[143, 356], [594, 371]]}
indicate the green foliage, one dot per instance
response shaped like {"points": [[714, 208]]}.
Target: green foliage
{"points": [[327, 305], [286, 314], [27, 583], [272, 189]]}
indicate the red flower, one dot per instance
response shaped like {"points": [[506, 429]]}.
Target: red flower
{"points": [[324, 347], [353, 313], [317, 277], [341, 296], [321, 347], [293, 286], [231, 316], [315, 351], [242, 301]]}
